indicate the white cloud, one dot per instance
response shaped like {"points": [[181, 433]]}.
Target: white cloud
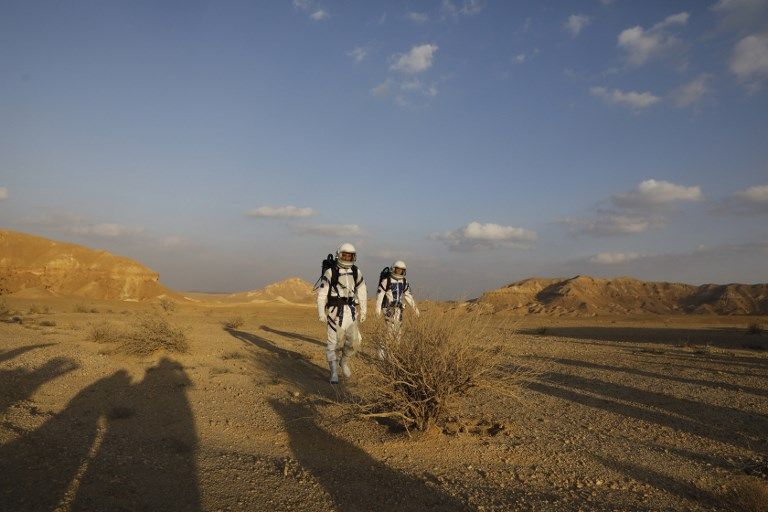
{"points": [[693, 92], [281, 212], [475, 236], [576, 23], [749, 61], [358, 54], [612, 224], [3, 193], [310, 6], [466, 8], [633, 99], [415, 61], [613, 258], [653, 193], [320, 15], [330, 230], [382, 90], [105, 230], [520, 58], [749, 201], [741, 15], [642, 45], [417, 17]]}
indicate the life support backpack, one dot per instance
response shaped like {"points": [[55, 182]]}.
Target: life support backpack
{"points": [[330, 263]]}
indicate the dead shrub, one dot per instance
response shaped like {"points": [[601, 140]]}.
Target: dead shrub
{"points": [[47, 323], [746, 494], [103, 332], [233, 323], [167, 304], [432, 363], [152, 334], [755, 329]]}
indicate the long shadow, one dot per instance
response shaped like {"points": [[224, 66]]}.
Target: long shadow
{"points": [[16, 352], [19, 383], [722, 424], [723, 337], [292, 335], [116, 446], [354, 480], [676, 378], [657, 479]]}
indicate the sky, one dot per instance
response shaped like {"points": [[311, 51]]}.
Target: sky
{"points": [[230, 144]]}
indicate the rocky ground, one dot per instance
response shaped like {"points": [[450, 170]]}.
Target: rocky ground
{"points": [[618, 418]]}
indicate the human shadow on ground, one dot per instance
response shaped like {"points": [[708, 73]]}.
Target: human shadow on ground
{"points": [[657, 479], [722, 424], [16, 352], [353, 479], [666, 376], [116, 446], [293, 335], [20, 384], [726, 337]]}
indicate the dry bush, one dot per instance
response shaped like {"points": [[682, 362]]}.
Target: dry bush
{"points": [[430, 365], [47, 323], [103, 332], [80, 308], [755, 329], [154, 333], [167, 304], [746, 494], [235, 322]]}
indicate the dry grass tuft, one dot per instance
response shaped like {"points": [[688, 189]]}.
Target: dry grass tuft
{"points": [[152, 334], [435, 360], [167, 304], [233, 323], [746, 494], [103, 332]]}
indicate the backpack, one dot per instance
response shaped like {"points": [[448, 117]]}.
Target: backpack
{"points": [[330, 263], [386, 273]]}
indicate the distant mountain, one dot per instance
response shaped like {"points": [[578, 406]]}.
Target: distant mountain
{"points": [[34, 266], [589, 296], [293, 290]]}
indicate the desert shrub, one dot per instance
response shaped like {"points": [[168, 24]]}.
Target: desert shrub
{"points": [[5, 310], [103, 332], [755, 329], [234, 322], [746, 494], [47, 323], [167, 304], [435, 360], [154, 333], [80, 308]]}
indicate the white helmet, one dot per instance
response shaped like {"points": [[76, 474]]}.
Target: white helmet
{"points": [[398, 270], [346, 255]]}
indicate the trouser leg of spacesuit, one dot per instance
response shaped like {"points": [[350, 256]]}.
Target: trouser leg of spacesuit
{"points": [[343, 337]]}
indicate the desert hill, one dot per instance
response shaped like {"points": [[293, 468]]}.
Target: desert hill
{"points": [[589, 296], [36, 266], [294, 290]]}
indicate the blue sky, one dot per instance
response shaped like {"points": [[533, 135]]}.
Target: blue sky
{"points": [[482, 142]]}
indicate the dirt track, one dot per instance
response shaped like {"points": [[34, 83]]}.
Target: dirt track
{"points": [[242, 423]]}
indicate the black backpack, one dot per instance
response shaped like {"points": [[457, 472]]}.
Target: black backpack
{"points": [[330, 263]]}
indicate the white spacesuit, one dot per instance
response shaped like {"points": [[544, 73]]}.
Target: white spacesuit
{"points": [[393, 293], [342, 303]]}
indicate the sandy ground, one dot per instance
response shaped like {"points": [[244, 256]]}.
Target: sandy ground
{"points": [[627, 414]]}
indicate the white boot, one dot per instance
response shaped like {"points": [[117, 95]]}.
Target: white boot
{"points": [[334, 373], [345, 369]]}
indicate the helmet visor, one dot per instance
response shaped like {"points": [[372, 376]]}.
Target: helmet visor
{"points": [[347, 256], [398, 271]]}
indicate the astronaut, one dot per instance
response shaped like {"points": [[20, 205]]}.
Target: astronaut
{"points": [[393, 293], [342, 304]]}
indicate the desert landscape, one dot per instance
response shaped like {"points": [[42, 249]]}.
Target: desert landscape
{"points": [[624, 409]]}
